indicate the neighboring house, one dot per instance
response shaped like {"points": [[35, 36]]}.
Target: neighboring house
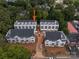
{"points": [[49, 25], [71, 28], [76, 24], [20, 36], [55, 38], [77, 11], [25, 24], [74, 50], [73, 39]]}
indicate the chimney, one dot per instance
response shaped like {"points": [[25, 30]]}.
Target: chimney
{"points": [[34, 17]]}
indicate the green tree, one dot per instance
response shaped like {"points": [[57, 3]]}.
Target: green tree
{"points": [[76, 3], [42, 13], [69, 12], [59, 6], [14, 52], [68, 2], [5, 22]]}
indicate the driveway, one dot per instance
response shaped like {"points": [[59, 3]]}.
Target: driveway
{"points": [[39, 47]]}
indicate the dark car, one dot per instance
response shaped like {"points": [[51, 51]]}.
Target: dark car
{"points": [[73, 50]]}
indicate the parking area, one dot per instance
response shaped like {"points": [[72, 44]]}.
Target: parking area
{"points": [[55, 51], [74, 51], [31, 47]]}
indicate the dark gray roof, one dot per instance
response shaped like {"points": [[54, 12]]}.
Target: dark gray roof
{"points": [[48, 22], [21, 33], [53, 36], [25, 21], [73, 37]]}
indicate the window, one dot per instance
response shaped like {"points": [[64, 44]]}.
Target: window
{"points": [[19, 27], [13, 41], [33, 26], [26, 40], [29, 27], [22, 27], [62, 44], [52, 43], [41, 27], [57, 42], [56, 27], [47, 44], [31, 23], [22, 41], [52, 27], [26, 27], [45, 27], [8, 40], [32, 40], [15, 27], [27, 23], [49, 27]]}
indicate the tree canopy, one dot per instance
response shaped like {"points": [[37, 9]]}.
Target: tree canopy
{"points": [[14, 52]]}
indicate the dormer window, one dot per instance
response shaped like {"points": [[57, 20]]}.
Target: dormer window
{"points": [[13, 41], [8, 40], [22, 27], [49, 27], [52, 27], [22, 41], [62, 44], [52, 43], [33, 26], [29, 27], [56, 27], [32, 40], [19, 27], [26, 40], [41, 27], [45, 27]]}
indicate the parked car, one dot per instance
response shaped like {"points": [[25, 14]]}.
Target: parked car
{"points": [[73, 50]]}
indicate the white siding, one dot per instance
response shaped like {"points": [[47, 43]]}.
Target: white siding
{"points": [[54, 25], [53, 43], [59, 42], [25, 25], [25, 40]]}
